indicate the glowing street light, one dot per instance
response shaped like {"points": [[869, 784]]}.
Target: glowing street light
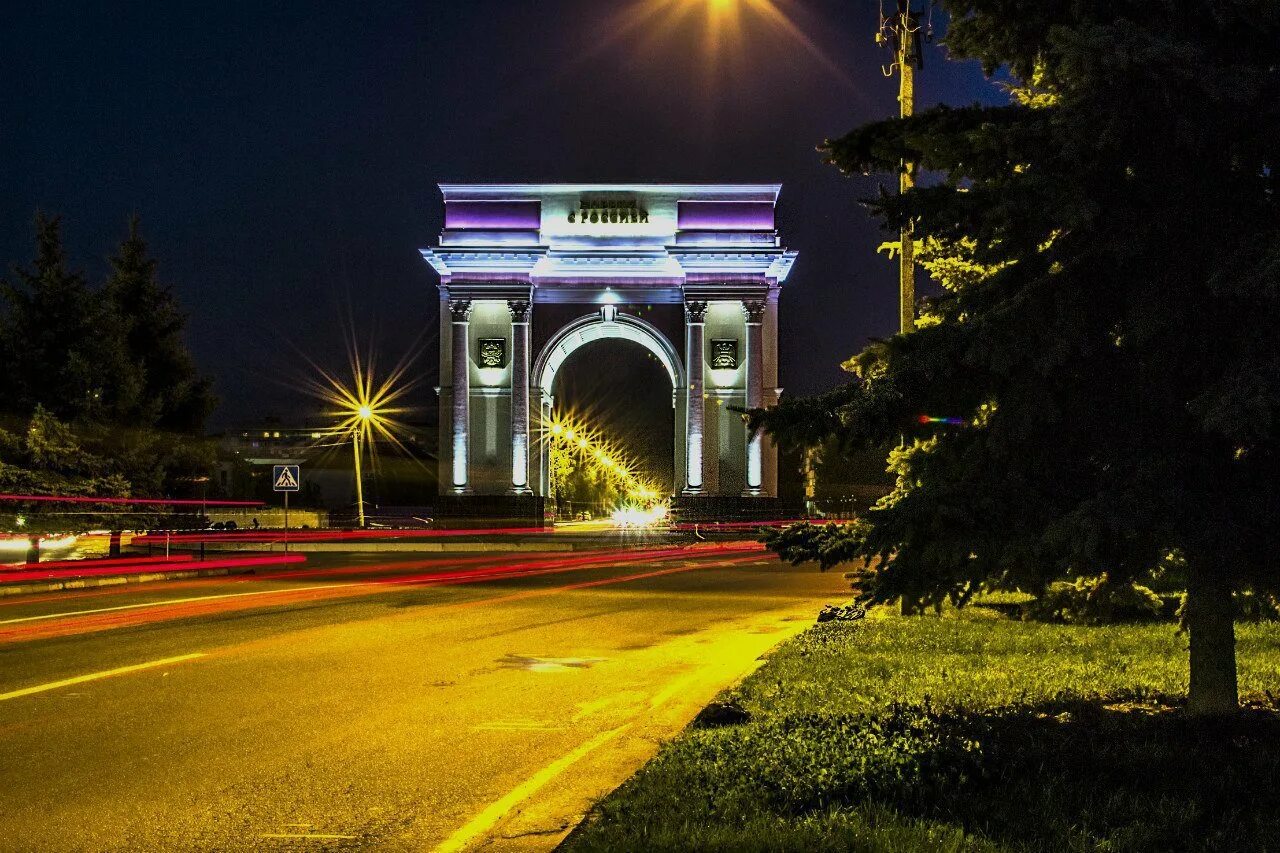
{"points": [[365, 410], [577, 437]]}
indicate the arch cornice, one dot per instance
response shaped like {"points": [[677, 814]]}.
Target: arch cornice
{"points": [[593, 327]]}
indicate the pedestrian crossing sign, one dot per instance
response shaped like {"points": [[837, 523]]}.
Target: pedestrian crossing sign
{"points": [[286, 478]]}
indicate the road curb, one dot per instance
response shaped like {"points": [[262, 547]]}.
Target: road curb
{"points": [[114, 580]]}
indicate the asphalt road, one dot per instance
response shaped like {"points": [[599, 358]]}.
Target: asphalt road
{"points": [[370, 702]]}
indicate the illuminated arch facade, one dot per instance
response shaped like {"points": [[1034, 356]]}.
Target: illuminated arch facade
{"points": [[530, 272]]}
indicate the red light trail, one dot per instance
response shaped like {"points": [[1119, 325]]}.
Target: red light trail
{"points": [[262, 537], [96, 569], [92, 621], [79, 499], [122, 562]]}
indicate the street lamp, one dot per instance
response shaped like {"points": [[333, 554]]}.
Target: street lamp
{"points": [[365, 414], [609, 460], [361, 427], [365, 410]]}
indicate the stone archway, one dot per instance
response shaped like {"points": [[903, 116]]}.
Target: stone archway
{"points": [[706, 259], [605, 325]]}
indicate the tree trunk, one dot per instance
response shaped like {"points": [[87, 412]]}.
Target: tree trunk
{"points": [[1210, 618]]}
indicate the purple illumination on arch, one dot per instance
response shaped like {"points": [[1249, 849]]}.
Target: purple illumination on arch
{"points": [[493, 215], [726, 216]]}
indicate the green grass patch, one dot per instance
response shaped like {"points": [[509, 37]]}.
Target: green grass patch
{"points": [[965, 732]]}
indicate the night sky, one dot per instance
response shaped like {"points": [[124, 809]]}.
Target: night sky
{"points": [[284, 155]]}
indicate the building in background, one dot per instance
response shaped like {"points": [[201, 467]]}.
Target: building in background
{"points": [[395, 484]]}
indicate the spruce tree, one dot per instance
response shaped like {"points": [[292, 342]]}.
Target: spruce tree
{"points": [[1113, 372], [160, 386], [57, 355]]}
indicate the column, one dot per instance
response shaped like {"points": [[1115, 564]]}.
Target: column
{"points": [[695, 318], [753, 311], [544, 447], [460, 309], [519, 396]]}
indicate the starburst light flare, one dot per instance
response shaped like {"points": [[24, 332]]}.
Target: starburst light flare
{"points": [[366, 409]]}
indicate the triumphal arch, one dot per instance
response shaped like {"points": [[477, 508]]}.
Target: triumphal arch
{"points": [[530, 273]]}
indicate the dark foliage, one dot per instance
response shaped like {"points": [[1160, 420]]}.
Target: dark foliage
{"points": [[56, 354], [1114, 361], [164, 389], [1095, 601], [104, 373]]}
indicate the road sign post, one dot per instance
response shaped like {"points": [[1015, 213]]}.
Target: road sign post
{"points": [[286, 478]]}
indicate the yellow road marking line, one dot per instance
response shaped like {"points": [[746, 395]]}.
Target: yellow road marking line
{"points": [[488, 818], [674, 687], [586, 709], [516, 725], [174, 601], [94, 676]]}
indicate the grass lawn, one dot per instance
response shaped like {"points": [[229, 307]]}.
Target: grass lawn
{"points": [[969, 731]]}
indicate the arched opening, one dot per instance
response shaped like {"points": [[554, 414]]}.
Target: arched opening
{"points": [[594, 327], [620, 380]]}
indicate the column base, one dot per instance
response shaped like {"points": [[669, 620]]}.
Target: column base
{"points": [[756, 492], [691, 491], [520, 490]]}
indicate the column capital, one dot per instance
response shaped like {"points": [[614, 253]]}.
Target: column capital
{"points": [[753, 310], [695, 311], [460, 309], [519, 309]]}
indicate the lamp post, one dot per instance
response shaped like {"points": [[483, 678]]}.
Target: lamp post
{"points": [[364, 415], [364, 408]]}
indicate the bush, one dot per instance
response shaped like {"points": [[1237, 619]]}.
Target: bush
{"points": [[1094, 601], [1252, 606]]}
